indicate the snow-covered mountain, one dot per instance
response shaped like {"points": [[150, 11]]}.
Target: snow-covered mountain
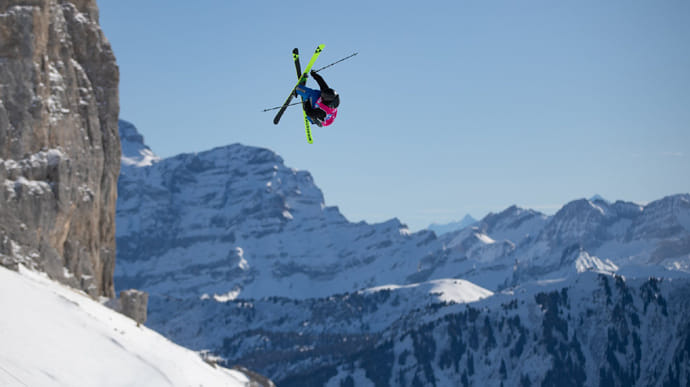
{"points": [[586, 330], [283, 336], [640, 240], [242, 257], [52, 335], [445, 228], [236, 221], [134, 151]]}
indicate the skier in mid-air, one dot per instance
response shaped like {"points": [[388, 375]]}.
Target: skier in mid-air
{"points": [[321, 106]]}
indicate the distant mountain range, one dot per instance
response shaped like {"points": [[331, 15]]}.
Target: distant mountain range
{"points": [[241, 256], [445, 228], [468, 220]]}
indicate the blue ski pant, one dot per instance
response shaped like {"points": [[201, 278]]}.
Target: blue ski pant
{"points": [[309, 94]]}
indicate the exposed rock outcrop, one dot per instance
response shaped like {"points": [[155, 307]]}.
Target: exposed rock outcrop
{"points": [[133, 304], [59, 145]]}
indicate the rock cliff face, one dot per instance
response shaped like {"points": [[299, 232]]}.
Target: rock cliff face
{"points": [[59, 145]]}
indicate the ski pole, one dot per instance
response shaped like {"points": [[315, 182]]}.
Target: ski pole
{"points": [[325, 67], [278, 107]]}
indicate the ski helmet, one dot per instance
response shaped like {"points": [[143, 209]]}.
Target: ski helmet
{"points": [[331, 98]]}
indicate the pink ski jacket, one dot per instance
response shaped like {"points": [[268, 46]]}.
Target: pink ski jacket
{"points": [[331, 113]]}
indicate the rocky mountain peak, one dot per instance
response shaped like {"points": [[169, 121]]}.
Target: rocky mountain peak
{"points": [[576, 221], [627, 210], [134, 151], [511, 217], [515, 224], [667, 216], [441, 229], [129, 135]]}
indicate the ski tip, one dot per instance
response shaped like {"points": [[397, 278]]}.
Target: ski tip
{"points": [[295, 51]]}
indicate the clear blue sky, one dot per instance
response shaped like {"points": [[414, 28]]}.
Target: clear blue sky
{"points": [[451, 107]]}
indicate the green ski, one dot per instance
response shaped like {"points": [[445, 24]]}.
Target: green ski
{"points": [[298, 68], [302, 78], [307, 127]]}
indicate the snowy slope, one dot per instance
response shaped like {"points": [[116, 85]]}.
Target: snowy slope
{"points": [[51, 335], [446, 290]]}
